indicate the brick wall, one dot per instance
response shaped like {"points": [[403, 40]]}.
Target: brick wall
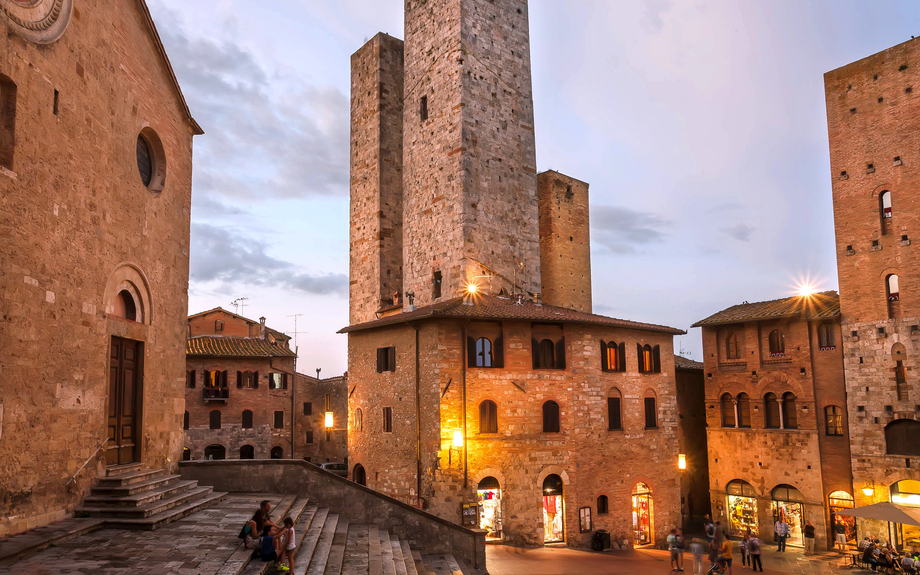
{"points": [[231, 325], [77, 223], [565, 241]]}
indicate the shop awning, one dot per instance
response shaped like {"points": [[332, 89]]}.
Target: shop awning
{"points": [[886, 511]]}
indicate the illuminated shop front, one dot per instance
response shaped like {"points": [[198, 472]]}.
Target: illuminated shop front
{"points": [[787, 505], [642, 514], [840, 501], [741, 504], [906, 493], [489, 496], [553, 510]]}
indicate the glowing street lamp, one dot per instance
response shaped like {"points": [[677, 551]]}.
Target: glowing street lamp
{"points": [[458, 438], [868, 491], [328, 420], [681, 461]]}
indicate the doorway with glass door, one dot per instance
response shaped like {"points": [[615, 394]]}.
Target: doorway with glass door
{"points": [[125, 402]]}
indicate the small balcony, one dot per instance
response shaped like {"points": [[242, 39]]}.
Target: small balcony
{"points": [[216, 394]]}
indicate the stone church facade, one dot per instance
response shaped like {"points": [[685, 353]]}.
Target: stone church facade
{"points": [[481, 386], [873, 117], [95, 193]]}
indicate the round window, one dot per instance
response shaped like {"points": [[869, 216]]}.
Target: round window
{"points": [[151, 161]]}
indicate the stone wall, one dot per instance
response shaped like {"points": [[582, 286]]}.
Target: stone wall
{"points": [[376, 176], [359, 504], [79, 226], [591, 460], [331, 447], [873, 116], [565, 241]]}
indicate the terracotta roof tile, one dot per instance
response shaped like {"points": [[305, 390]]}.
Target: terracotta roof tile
{"points": [[816, 306], [225, 346], [487, 307], [681, 362]]}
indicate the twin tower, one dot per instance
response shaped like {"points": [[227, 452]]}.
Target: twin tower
{"points": [[444, 188]]}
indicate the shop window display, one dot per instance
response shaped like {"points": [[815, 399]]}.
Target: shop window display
{"points": [[840, 501], [741, 500], [642, 514], [907, 493], [489, 495], [787, 505], [553, 511]]}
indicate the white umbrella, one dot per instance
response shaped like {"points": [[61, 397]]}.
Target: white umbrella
{"points": [[886, 511]]}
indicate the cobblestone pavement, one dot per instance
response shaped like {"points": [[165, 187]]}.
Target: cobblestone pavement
{"points": [[506, 560], [199, 544]]}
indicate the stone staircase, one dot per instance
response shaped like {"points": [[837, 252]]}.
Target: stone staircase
{"points": [[328, 544], [131, 497]]}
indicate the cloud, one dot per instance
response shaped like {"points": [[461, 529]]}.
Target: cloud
{"points": [[741, 232], [218, 255], [265, 135], [210, 207], [621, 229]]}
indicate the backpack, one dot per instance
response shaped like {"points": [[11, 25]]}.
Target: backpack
{"points": [[711, 530]]}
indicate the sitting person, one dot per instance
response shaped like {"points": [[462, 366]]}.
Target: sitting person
{"points": [[869, 557], [286, 546], [253, 529], [908, 565], [864, 543]]}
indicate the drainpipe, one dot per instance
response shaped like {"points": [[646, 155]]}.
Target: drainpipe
{"points": [[418, 416], [293, 403], [463, 404]]}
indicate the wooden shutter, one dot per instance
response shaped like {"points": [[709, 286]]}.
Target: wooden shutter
{"points": [[223, 380], [391, 356], [613, 413], [656, 356], [535, 352], [470, 351], [651, 413], [192, 384], [380, 360], [604, 365], [207, 379], [284, 379], [279, 419], [185, 421], [560, 353], [239, 380], [639, 353], [622, 352], [498, 353], [255, 380]]}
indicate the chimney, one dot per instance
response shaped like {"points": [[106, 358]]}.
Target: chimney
{"points": [[262, 327]]}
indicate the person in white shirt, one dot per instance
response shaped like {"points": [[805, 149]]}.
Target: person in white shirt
{"points": [[782, 532], [286, 546]]}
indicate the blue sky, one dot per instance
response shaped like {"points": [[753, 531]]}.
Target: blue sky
{"points": [[700, 126]]}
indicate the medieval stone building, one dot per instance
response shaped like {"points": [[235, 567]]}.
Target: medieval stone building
{"points": [[481, 385], [691, 433], [776, 409], [873, 117], [321, 419], [239, 389], [95, 192]]}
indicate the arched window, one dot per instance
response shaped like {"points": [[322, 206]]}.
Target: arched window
{"points": [[777, 343], [744, 410], [125, 307], [790, 418], [732, 351], [483, 352], [488, 417], [214, 419], [826, 339], [547, 354], [215, 452], [602, 508], [614, 410], [884, 205], [358, 475], [833, 420], [902, 437], [247, 419], [613, 356], [771, 411], [728, 410], [646, 360], [277, 452], [7, 121], [246, 380], [550, 417], [186, 454], [651, 410], [359, 420], [894, 291], [185, 421], [786, 493], [247, 452]]}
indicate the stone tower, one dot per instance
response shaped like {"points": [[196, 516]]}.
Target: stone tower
{"points": [[873, 118], [376, 176], [565, 241], [469, 178]]}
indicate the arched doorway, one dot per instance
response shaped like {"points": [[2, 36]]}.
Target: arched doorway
{"points": [[741, 503], [489, 495], [358, 475], [553, 510], [277, 452], [247, 452], [642, 514], [839, 501], [787, 505], [907, 493], [215, 452]]}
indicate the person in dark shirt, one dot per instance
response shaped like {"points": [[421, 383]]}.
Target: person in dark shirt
{"points": [[809, 538], [869, 557], [263, 517]]}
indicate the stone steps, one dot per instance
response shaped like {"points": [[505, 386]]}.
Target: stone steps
{"points": [[140, 498]]}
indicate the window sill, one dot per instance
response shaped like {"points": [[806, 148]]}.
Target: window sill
{"points": [[652, 428], [619, 429], [613, 371]]}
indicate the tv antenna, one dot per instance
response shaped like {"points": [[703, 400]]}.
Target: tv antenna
{"points": [[295, 332], [238, 303]]}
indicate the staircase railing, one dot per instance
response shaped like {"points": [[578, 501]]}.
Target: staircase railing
{"points": [[90, 458]]}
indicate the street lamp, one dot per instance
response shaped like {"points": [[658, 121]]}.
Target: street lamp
{"points": [[328, 420], [458, 438], [868, 491], [681, 461]]}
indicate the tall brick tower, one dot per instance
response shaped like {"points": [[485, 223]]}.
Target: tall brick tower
{"points": [[873, 116], [469, 178], [565, 241]]}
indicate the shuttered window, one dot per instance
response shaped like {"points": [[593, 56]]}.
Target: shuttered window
{"points": [[614, 419], [488, 417], [279, 419], [247, 419], [307, 408], [214, 419], [388, 419], [550, 417], [903, 437], [386, 359], [651, 413]]}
